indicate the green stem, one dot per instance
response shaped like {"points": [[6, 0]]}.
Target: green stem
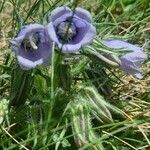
{"points": [[51, 103], [52, 71]]}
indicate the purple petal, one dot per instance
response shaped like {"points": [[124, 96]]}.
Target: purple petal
{"points": [[28, 29], [69, 48], [59, 12], [24, 33], [137, 57], [80, 23], [52, 32], [26, 64], [83, 14], [63, 18], [82, 28], [89, 36], [86, 32], [15, 43], [121, 44], [131, 61], [45, 48], [129, 66]]}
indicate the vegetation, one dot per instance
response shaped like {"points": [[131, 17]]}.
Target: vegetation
{"points": [[79, 101]]}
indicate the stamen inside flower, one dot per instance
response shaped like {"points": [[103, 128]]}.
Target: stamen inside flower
{"points": [[66, 31], [30, 44], [33, 45]]}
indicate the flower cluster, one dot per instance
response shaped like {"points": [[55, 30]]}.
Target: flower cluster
{"points": [[70, 30]]}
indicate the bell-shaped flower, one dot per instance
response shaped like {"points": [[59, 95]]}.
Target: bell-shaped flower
{"points": [[71, 30], [131, 61], [32, 46]]}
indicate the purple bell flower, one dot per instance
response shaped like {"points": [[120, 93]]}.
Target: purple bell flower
{"points": [[131, 61], [71, 30], [32, 46]]}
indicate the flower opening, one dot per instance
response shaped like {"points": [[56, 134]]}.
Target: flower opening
{"points": [[71, 30], [32, 46], [66, 31]]}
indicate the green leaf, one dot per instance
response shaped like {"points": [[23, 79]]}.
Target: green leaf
{"points": [[21, 83]]}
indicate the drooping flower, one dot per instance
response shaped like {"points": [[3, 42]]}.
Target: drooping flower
{"points": [[131, 61], [32, 46], [71, 30]]}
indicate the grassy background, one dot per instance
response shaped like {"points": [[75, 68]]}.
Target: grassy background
{"points": [[36, 125]]}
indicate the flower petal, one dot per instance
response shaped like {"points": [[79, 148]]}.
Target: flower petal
{"points": [[80, 23], [15, 43], [137, 57], [84, 14], [63, 18], [114, 43], [129, 67], [52, 32], [26, 64], [86, 32], [59, 11], [69, 48], [28, 29], [45, 49], [89, 36]]}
